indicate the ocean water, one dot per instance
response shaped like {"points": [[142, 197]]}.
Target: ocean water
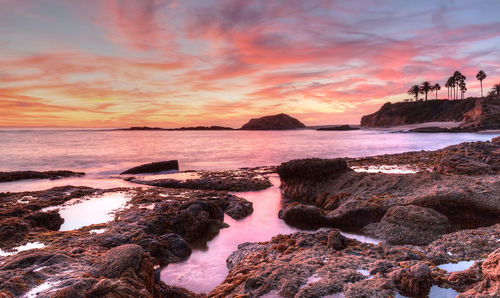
{"points": [[104, 153]]}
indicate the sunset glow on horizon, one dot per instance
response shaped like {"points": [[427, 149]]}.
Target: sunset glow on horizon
{"points": [[176, 63]]}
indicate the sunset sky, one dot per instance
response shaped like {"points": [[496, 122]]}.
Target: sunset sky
{"points": [[114, 63]]}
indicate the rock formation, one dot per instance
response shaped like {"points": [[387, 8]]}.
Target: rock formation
{"points": [[275, 122]]}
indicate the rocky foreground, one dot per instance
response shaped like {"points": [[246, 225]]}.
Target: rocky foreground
{"points": [[447, 211]]}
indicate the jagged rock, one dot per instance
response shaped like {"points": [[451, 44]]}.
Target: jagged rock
{"points": [[154, 167], [275, 122]]}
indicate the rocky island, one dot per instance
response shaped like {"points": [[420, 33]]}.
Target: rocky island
{"points": [[275, 122]]}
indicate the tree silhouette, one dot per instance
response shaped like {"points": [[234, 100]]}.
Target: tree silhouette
{"points": [[436, 88], [458, 80], [415, 91], [463, 89], [496, 90], [426, 87], [481, 75]]}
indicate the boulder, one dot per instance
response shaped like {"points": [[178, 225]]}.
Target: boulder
{"points": [[154, 167], [275, 122], [410, 225], [462, 165], [119, 259], [315, 169], [302, 215]]}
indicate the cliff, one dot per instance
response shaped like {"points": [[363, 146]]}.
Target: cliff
{"points": [[484, 115], [275, 122], [401, 113]]}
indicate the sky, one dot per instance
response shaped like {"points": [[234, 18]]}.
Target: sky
{"points": [[172, 63]]}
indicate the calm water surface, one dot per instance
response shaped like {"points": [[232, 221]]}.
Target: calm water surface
{"points": [[110, 152]]}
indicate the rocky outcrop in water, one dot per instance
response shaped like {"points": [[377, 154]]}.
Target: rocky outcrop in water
{"points": [[232, 180], [338, 128], [275, 122], [459, 193], [22, 175], [154, 167], [402, 113]]}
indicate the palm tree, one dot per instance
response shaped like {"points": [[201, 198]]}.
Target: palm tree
{"points": [[451, 81], [415, 91], [481, 75], [426, 87], [458, 79], [463, 88], [436, 88], [449, 85]]}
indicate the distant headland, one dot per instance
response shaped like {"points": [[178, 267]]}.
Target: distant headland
{"points": [[474, 113]]}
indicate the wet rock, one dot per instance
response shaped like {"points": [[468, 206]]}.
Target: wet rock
{"points": [[410, 225], [119, 259], [302, 215], [177, 245], [154, 167], [463, 165], [415, 281], [51, 220], [275, 122], [236, 207], [22, 175]]}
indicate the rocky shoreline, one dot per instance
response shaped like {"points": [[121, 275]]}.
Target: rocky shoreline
{"points": [[447, 210]]}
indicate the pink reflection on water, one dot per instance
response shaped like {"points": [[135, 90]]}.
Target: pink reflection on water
{"points": [[206, 268], [42, 184]]}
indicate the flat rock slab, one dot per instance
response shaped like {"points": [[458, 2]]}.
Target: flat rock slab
{"points": [[23, 175]]}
